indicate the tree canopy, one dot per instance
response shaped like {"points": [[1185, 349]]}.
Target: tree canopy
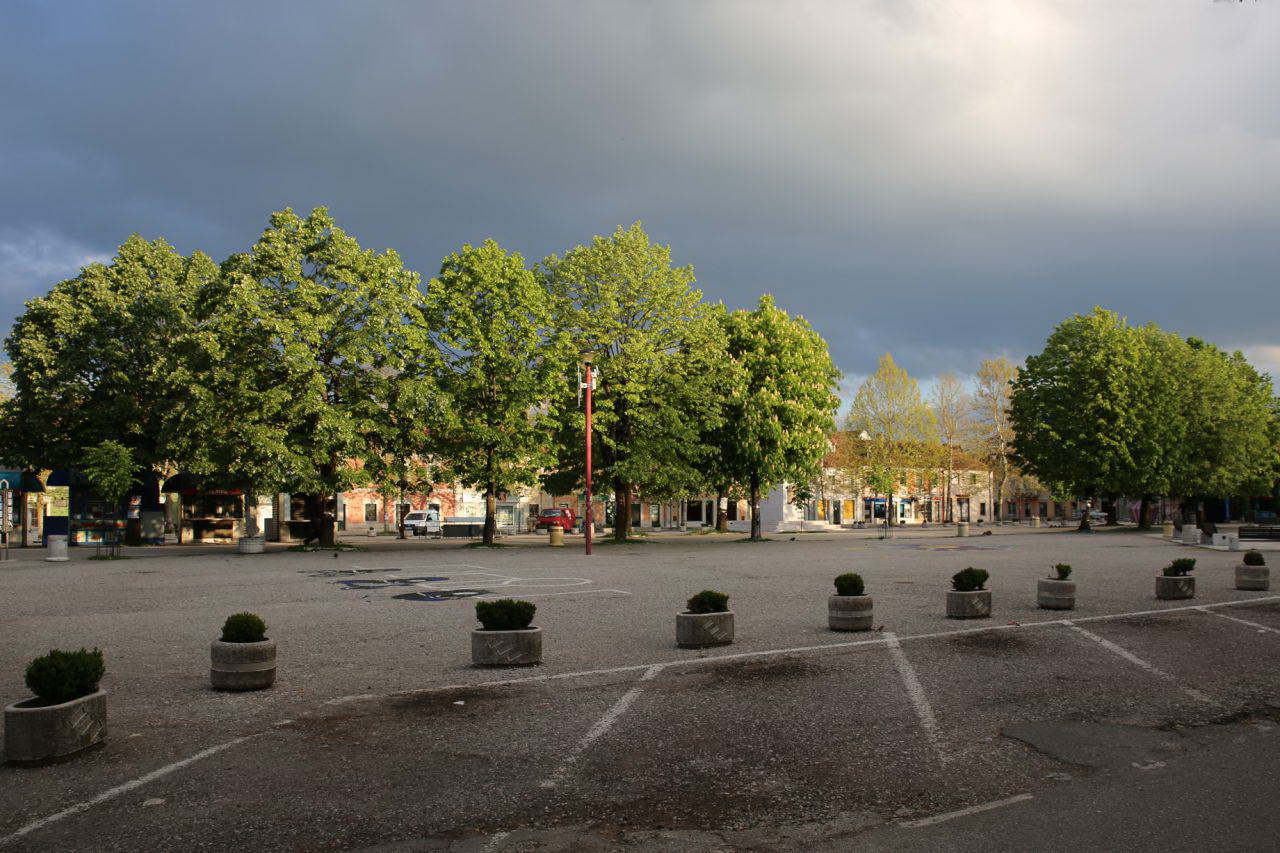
{"points": [[660, 353], [501, 359], [778, 419]]}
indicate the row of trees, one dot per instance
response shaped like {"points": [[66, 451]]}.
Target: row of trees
{"points": [[311, 365], [1112, 409]]}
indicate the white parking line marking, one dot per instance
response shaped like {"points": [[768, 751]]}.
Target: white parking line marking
{"points": [[600, 728], [122, 789], [1139, 662], [1241, 621], [916, 693], [985, 807]]}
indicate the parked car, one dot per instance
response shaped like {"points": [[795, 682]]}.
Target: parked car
{"points": [[552, 517], [1096, 516], [422, 522]]}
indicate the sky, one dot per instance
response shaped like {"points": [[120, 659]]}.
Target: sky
{"points": [[945, 181]]}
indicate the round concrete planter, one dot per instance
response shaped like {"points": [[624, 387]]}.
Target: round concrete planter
{"points": [[242, 666], [969, 605], [1253, 577], [962, 528], [700, 630], [1035, 521], [39, 734], [1166, 530], [556, 533], [849, 612], [251, 544], [521, 647], [1053, 594], [1174, 588]]}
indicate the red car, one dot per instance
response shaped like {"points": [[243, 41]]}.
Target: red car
{"points": [[552, 517]]}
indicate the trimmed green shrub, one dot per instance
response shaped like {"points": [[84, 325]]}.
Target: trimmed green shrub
{"points": [[850, 583], [505, 614], [62, 676], [1254, 558], [1180, 567], [1063, 571], [969, 580], [709, 601], [244, 628]]}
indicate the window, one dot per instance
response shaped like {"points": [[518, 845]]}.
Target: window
{"points": [[693, 511], [370, 511]]}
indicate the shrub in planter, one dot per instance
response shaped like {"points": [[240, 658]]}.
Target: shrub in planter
{"points": [[62, 676], [849, 609], [707, 622], [849, 583], [244, 659], [709, 601], [1253, 574], [967, 599], [505, 638], [68, 713], [244, 628], [1056, 592], [505, 614], [1175, 581], [969, 580]]}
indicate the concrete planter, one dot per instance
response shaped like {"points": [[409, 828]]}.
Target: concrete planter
{"points": [[849, 612], [969, 605], [1190, 535], [39, 734], [556, 534], [251, 544], [1166, 530], [1053, 594], [57, 548], [1035, 521], [700, 630], [520, 647], [962, 528], [1175, 588], [1253, 577], [242, 666]]}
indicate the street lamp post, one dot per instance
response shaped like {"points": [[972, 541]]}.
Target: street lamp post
{"points": [[588, 515]]}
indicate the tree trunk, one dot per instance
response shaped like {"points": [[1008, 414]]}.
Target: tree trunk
{"points": [[722, 510], [250, 512], [946, 487], [1109, 507], [621, 510], [1084, 527], [888, 509], [1144, 510], [755, 509], [490, 513]]}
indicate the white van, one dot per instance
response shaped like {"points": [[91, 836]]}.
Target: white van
{"points": [[423, 522]]}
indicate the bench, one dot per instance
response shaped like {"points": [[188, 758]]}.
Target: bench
{"points": [[1259, 532]]}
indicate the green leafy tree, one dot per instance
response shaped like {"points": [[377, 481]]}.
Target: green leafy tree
{"points": [[91, 359], [322, 364], [900, 427], [1232, 426], [110, 467], [660, 354], [501, 359], [779, 418], [1092, 413]]}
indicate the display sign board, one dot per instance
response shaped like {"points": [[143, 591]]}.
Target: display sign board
{"points": [[57, 501]]}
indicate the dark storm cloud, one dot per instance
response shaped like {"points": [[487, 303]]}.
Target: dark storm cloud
{"points": [[945, 181]]}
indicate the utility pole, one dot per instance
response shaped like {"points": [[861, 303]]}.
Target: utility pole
{"points": [[588, 515]]}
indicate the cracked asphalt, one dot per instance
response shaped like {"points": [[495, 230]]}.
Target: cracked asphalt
{"points": [[924, 733]]}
